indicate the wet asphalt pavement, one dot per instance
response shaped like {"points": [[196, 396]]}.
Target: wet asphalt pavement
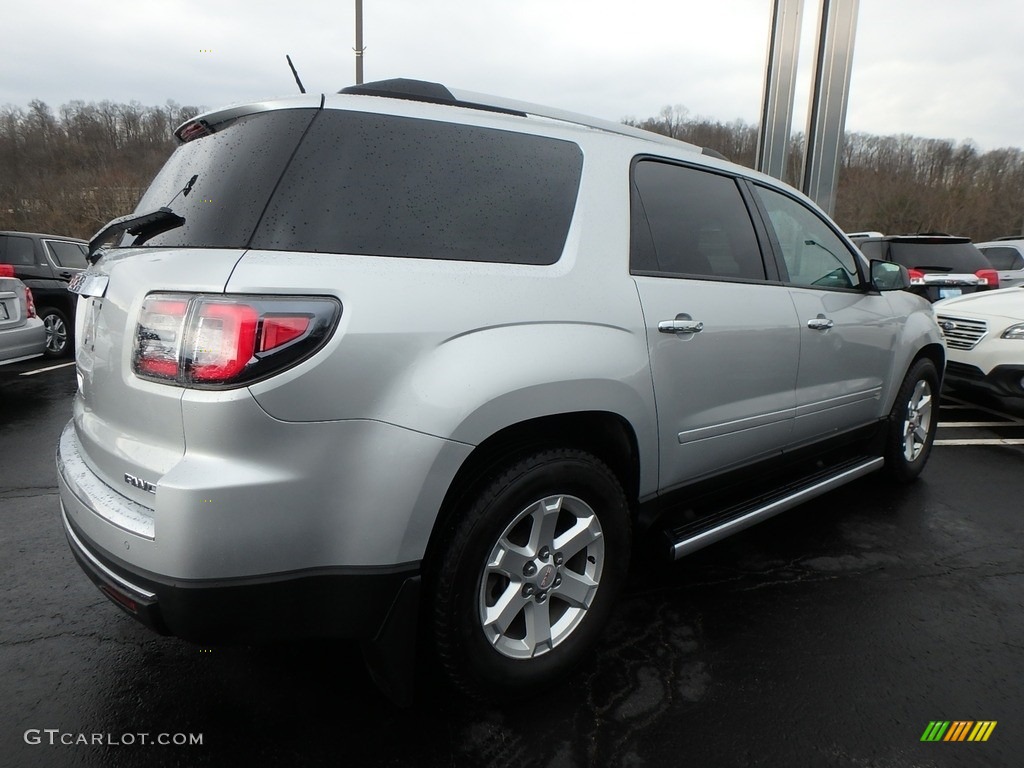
{"points": [[829, 636]]}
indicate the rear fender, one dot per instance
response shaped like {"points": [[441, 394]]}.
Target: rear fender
{"points": [[477, 384]]}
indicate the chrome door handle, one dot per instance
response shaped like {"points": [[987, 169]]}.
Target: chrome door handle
{"points": [[680, 326], [820, 323]]}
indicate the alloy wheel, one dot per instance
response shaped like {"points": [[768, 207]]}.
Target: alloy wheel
{"points": [[918, 421], [541, 576]]}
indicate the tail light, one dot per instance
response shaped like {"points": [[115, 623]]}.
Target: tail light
{"points": [[988, 277], [214, 342], [30, 303], [6, 270], [916, 276]]}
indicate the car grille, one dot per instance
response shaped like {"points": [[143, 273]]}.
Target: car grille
{"points": [[962, 333]]}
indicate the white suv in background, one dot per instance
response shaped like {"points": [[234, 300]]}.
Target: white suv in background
{"points": [[985, 340]]}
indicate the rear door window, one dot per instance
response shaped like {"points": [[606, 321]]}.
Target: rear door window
{"points": [[383, 185], [67, 255], [689, 222]]}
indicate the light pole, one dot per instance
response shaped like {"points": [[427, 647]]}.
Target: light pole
{"points": [[837, 26], [830, 91], [359, 42], [779, 88]]}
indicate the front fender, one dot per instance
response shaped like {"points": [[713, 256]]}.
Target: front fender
{"points": [[918, 331]]}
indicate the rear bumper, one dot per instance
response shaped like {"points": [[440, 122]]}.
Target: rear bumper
{"points": [[946, 291], [23, 343], [254, 567], [344, 603]]}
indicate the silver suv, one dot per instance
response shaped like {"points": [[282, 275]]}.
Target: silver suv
{"points": [[404, 361], [1007, 257]]}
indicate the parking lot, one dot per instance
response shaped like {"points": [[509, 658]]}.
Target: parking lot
{"points": [[829, 636]]}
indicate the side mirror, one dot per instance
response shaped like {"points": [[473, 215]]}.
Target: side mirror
{"points": [[889, 276]]}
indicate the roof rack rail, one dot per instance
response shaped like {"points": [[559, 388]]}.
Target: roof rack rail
{"points": [[436, 93], [420, 90]]}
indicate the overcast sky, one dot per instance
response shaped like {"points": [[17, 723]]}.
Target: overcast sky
{"points": [[934, 68]]}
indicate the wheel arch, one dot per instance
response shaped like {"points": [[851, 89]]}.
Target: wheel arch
{"points": [[608, 436], [934, 352], [919, 338]]}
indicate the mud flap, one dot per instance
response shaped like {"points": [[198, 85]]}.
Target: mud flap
{"points": [[391, 656]]}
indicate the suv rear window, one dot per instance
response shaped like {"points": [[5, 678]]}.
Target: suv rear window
{"points": [[397, 186], [236, 169], [1003, 257], [943, 256], [370, 184], [19, 251]]}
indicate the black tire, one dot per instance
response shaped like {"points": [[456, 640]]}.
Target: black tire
{"points": [[59, 334], [567, 595], [912, 422]]}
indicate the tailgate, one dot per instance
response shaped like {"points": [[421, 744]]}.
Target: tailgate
{"points": [[130, 430]]}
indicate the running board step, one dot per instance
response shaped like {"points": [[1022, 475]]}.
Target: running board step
{"points": [[692, 536]]}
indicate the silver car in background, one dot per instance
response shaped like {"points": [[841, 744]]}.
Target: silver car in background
{"points": [[22, 336], [1007, 257], [409, 362]]}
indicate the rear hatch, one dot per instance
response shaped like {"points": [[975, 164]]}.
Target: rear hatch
{"points": [[943, 267], [130, 429], [244, 204], [214, 189]]}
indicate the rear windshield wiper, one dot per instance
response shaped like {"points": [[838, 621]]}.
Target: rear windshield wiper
{"points": [[142, 225]]}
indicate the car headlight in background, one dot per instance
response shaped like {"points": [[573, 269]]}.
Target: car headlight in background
{"points": [[1014, 332]]}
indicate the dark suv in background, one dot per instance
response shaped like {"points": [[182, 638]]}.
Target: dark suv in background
{"points": [[940, 266], [45, 263]]}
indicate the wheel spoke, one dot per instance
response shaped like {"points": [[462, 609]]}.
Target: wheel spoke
{"points": [[909, 448], [924, 411], [508, 560], [504, 611], [538, 627], [545, 518], [583, 533], [576, 589]]}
